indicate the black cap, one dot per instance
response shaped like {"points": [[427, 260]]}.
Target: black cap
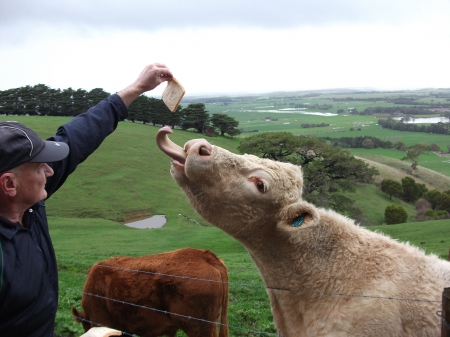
{"points": [[19, 144]]}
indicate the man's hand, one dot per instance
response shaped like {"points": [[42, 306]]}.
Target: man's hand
{"points": [[152, 76]]}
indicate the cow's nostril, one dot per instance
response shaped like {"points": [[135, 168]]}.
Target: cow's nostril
{"points": [[203, 151]]}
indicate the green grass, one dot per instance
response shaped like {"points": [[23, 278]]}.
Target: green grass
{"points": [[431, 236], [128, 177]]}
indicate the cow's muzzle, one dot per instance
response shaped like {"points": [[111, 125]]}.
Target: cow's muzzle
{"points": [[194, 147]]}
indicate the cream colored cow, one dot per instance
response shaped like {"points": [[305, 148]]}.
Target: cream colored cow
{"points": [[325, 276]]}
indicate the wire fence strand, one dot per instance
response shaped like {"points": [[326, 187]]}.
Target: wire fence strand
{"points": [[304, 291]]}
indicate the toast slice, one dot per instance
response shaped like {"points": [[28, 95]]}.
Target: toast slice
{"points": [[102, 332], [173, 94]]}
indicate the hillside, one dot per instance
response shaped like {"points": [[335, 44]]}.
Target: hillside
{"points": [[128, 177], [395, 169]]}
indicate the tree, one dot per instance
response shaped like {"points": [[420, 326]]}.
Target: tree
{"points": [[392, 188], [395, 214], [225, 124], [139, 110], [434, 147], [273, 145], [434, 197], [195, 116], [368, 143], [411, 190], [446, 201], [413, 153]]}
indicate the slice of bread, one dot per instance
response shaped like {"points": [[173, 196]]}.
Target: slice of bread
{"points": [[102, 332], [173, 94]]}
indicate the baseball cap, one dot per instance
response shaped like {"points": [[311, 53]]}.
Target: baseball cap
{"points": [[19, 144]]}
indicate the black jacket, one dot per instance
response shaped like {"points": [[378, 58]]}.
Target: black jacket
{"points": [[28, 270]]}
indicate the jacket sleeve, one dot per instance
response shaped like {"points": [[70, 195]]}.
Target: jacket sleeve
{"points": [[84, 134]]}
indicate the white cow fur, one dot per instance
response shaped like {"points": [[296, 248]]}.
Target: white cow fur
{"points": [[328, 253]]}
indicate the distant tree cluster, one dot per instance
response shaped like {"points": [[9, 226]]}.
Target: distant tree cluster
{"points": [[195, 116], [439, 128], [307, 125], [429, 211], [430, 204], [41, 100], [395, 110], [407, 190], [149, 110], [360, 142]]}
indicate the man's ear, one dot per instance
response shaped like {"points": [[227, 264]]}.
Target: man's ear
{"points": [[8, 184], [298, 215]]}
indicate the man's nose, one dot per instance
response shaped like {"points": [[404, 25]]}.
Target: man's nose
{"points": [[48, 171]]}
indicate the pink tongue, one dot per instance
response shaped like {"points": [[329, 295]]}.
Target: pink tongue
{"points": [[168, 147]]}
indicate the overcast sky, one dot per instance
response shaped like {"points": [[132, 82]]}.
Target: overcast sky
{"points": [[227, 46]]}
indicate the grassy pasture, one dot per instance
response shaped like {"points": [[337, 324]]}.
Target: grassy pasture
{"points": [[128, 178]]}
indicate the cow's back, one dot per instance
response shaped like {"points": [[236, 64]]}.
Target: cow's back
{"points": [[158, 294]]}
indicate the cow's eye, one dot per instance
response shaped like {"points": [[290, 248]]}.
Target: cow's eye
{"points": [[260, 186]]}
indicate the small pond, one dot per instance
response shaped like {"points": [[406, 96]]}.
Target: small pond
{"points": [[425, 120], [156, 221]]}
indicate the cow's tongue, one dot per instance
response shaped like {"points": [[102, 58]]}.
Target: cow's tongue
{"points": [[168, 147]]}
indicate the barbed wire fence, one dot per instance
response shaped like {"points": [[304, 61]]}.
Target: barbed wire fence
{"points": [[236, 284]]}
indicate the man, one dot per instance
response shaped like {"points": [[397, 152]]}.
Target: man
{"points": [[31, 170]]}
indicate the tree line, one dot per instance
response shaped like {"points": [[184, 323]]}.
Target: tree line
{"points": [[400, 125], [41, 100]]}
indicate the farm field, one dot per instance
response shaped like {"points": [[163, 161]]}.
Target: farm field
{"points": [[128, 178], [79, 242]]}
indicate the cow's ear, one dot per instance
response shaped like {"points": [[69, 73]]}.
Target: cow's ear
{"points": [[299, 215]]}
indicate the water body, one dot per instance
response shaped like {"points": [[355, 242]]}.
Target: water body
{"points": [[429, 120], [156, 221], [295, 111]]}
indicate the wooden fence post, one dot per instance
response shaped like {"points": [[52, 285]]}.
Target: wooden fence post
{"points": [[445, 327]]}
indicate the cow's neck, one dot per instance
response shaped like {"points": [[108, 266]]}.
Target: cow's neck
{"points": [[278, 258]]}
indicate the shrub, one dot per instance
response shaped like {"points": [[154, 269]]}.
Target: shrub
{"points": [[434, 147], [422, 205], [395, 214], [434, 197], [441, 214], [430, 213]]}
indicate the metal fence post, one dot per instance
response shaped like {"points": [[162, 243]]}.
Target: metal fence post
{"points": [[445, 314]]}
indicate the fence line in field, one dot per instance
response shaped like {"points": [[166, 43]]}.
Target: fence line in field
{"points": [[170, 313], [318, 292]]}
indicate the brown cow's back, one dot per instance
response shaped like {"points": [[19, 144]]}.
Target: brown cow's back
{"points": [[158, 294]]}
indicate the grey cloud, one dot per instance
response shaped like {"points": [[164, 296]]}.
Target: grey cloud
{"points": [[163, 14]]}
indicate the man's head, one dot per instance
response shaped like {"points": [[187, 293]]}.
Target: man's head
{"points": [[23, 164], [19, 144]]}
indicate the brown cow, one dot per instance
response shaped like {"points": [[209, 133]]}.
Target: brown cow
{"points": [[155, 295], [325, 275]]}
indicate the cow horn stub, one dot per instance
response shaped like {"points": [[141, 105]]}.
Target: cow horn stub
{"points": [[168, 147]]}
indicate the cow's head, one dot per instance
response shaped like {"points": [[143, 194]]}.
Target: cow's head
{"points": [[230, 190]]}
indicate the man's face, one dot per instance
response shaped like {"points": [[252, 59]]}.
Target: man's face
{"points": [[31, 180]]}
